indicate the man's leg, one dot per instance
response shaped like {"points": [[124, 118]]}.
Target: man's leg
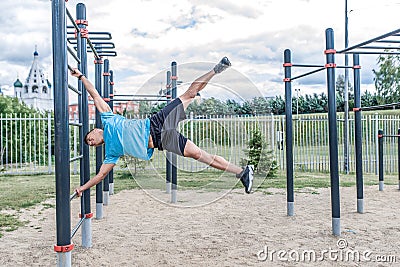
{"points": [[198, 84], [218, 162]]}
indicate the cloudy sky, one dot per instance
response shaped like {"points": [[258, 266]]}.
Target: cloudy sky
{"points": [[149, 34]]}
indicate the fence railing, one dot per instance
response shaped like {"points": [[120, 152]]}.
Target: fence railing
{"points": [[26, 142]]}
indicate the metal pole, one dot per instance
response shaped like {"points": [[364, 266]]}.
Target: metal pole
{"points": [[398, 155], [376, 144], [84, 120], [99, 149], [346, 98], [289, 132], [61, 135], [106, 90], [169, 154], [380, 164], [333, 137], [358, 134], [174, 180], [111, 104], [75, 143]]}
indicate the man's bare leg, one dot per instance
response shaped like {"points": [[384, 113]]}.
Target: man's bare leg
{"points": [[193, 151], [218, 162], [201, 82]]}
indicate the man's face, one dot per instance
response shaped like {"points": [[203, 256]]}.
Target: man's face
{"points": [[95, 137]]}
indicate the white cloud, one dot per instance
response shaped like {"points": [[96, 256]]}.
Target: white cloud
{"points": [[150, 34]]}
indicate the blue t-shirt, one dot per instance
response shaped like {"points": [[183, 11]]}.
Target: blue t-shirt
{"points": [[125, 137]]}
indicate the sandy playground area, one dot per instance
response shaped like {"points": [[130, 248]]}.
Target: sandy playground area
{"points": [[236, 230]]}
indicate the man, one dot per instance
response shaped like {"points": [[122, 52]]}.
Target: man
{"points": [[138, 138]]}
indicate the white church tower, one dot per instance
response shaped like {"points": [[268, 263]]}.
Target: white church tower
{"points": [[37, 91]]}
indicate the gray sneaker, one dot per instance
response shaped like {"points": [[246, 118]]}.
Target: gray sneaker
{"points": [[222, 65], [246, 177]]}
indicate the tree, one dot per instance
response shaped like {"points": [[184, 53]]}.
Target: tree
{"points": [[258, 155], [387, 79], [368, 99]]}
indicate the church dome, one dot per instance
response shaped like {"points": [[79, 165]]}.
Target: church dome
{"points": [[18, 83]]}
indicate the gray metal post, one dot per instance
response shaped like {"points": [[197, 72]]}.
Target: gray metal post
{"points": [[358, 134], [106, 95], [169, 154], [333, 137], [174, 180], [84, 120], [75, 144], [61, 135], [376, 143], [191, 135], [380, 163], [398, 155], [289, 133], [99, 149], [346, 97], [111, 104]]}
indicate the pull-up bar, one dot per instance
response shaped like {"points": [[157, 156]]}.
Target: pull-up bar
{"points": [[378, 107], [347, 50]]}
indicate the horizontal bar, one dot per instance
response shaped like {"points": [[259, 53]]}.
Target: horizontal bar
{"points": [[308, 73], [106, 37], [143, 95], [372, 53], [388, 41], [378, 47], [77, 227], [76, 158], [138, 100], [107, 53], [108, 34], [74, 89], [75, 124], [391, 135], [308, 66], [108, 45], [72, 20], [104, 45], [369, 41], [72, 52], [391, 105]]}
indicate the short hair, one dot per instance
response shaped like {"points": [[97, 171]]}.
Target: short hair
{"points": [[84, 139]]}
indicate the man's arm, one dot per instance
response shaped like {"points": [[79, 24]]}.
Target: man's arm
{"points": [[100, 104], [104, 170]]}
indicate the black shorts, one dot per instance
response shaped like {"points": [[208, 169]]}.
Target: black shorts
{"points": [[163, 126]]}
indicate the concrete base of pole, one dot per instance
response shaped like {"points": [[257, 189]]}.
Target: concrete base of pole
{"points": [[111, 189], [381, 185], [64, 259], [106, 198], [168, 187], [360, 205], [174, 195], [336, 226], [99, 210], [290, 209], [87, 233]]}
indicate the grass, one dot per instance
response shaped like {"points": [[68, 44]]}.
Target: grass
{"points": [[22, 192]]}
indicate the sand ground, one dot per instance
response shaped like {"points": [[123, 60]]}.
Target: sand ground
{"points": [[236, 230]]}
